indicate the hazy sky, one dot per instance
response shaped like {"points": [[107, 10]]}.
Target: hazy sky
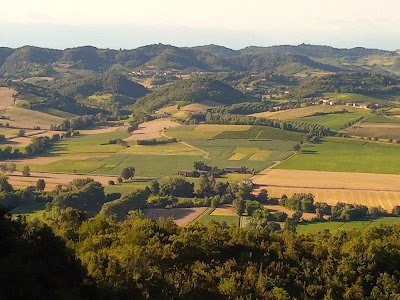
{"points": [[235, 24]]}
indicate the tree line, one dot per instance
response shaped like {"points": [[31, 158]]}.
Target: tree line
{"points": [[229, 119]]}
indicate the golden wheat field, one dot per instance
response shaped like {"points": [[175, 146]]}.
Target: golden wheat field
{"points": [[6, 97], [332, 187]]}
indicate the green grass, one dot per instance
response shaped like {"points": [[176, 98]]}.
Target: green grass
{"points": [[148, 165], [335, 121], [262, 132], [168, 159], [220, 150], [30, 211], [56, 112], [126, 187], [346, 155], [334, 226], [89, 144], [382, 119], [229, 220]]}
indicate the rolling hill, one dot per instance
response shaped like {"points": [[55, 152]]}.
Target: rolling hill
{"points": [[31, 61], [192, 90]]}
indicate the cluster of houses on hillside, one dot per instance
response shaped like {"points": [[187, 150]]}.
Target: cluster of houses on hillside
{"points": [[147, 73], [327, 101]]}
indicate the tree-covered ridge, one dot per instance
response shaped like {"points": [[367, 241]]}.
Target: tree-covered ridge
{"points": [[196, 89], [318, 51], [109, 82], [143, 259], [31, 61], [45, 97], [362, 83]]}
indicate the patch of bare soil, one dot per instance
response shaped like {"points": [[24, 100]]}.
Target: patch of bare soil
{"points": [[52, 179], [151, 130], [6, 97], [100, 130], [182, 216]]}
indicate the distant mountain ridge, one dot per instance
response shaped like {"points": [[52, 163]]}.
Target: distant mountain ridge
{"points": [[30, 61]]}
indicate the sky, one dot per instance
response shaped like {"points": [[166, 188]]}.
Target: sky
{"points": [[235, 24]]}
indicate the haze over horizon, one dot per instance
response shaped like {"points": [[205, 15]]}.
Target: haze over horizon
{"points": [[122, 24]]}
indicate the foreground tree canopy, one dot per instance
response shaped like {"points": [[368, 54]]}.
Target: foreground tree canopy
{"points": [[143, 259]]}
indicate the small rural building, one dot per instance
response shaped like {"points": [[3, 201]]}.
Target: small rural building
{"points": [[161, 115], [248, 182], [359, 104], [326, 101]]}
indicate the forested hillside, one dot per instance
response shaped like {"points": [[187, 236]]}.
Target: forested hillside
{"points": [[192, 90], [110, 82], [33, 61], [361, 83]]}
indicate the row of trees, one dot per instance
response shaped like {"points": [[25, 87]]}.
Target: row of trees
{"points": [[229, 119], [340, 212]]}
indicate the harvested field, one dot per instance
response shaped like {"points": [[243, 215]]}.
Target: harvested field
{"points": [[182, 216], [238, 156], [100, 130], [261, 155], [6, 97], [44, 160], [18, 142], [183, 111], [25, 118], [225, 210], [53, 179], [277, 208], [380, 131], [333, 187], [151, 130]]}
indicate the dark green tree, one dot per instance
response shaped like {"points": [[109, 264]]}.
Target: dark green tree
{"points": [[40, 185], [128, 173]]}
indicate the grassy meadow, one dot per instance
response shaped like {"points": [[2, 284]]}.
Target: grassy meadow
{"points": [[334, 226], [346, 155], [335, 121], [30, 211]]}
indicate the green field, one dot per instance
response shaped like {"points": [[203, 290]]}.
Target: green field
{"points": [[346, 155], [261, 133], [92, 154], [335, 121], [30, 211], [228, 220], [334, 226], [127, 187], [382, 119]]}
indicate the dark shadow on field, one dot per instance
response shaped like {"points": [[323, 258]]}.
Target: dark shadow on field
{"points": [[176, 213], [147, 179], [309, 152]]}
